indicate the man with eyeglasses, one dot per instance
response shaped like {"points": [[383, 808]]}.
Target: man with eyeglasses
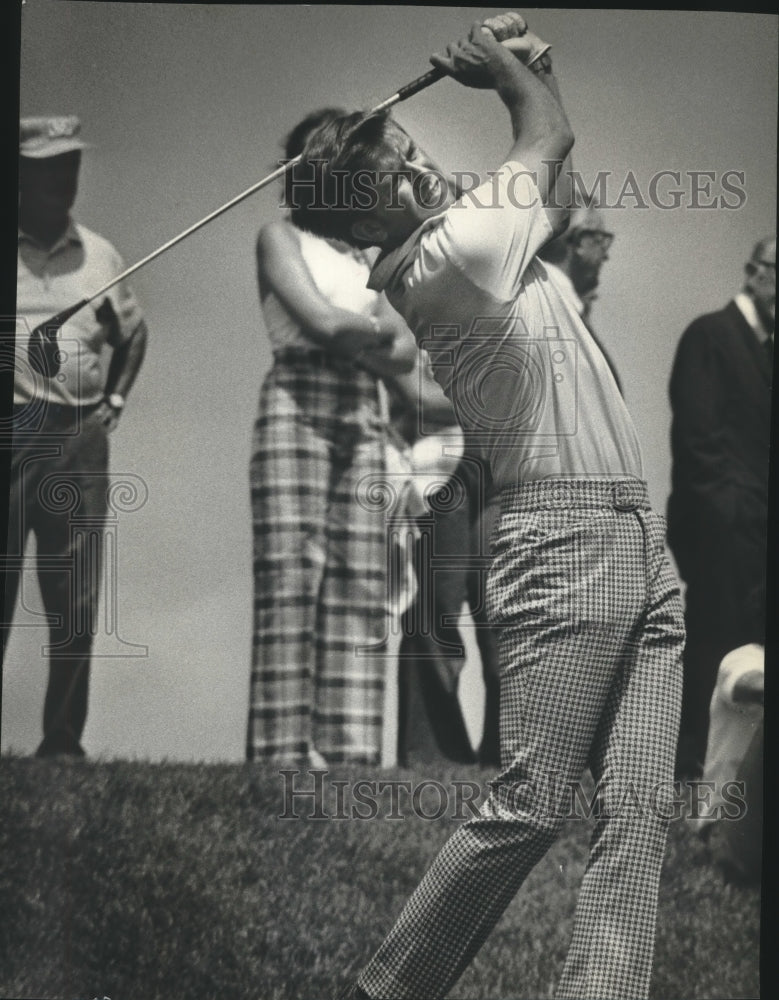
{"points": [[575, 258], [718, 509]]}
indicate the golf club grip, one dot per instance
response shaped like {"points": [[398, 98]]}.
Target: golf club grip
{"points": [[432, 76], [50, 327]]}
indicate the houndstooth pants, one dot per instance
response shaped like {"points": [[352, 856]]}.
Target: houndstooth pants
{"points": [[590, 631]]}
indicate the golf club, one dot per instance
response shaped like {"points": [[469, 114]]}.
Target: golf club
{"points": [[42, 349]]}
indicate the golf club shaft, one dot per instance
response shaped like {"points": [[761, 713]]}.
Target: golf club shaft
{"points": [[403, 94], [50, 327]]}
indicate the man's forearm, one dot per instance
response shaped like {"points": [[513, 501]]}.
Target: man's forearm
{"points": [[563, 189], [536, 113]]}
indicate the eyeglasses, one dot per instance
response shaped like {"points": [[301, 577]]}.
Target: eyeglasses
{"points": [[597, 237]]}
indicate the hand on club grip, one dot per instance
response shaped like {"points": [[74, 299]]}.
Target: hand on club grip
{"points": [[512, 32], [478, 60]]}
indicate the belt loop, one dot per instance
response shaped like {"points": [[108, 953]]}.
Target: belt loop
{"points": [[623, 498]]}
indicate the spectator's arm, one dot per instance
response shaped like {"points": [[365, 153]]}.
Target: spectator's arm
{"points": [[282, 269]]}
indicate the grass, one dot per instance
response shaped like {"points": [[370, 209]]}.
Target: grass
{"points": [[137, 881]]}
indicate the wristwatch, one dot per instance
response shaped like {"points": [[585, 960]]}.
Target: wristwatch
{"points": [[116, 401]]}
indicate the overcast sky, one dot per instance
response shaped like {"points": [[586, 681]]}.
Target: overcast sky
{"points": [[185, 107]]}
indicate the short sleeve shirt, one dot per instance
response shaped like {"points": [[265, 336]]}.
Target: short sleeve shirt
{"points": [[50, 280], [528, 383]]}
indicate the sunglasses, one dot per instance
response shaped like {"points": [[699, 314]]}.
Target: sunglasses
{"points": [[597, 238]]}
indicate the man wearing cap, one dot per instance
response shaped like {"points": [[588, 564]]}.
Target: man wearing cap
{"points": [[720, 392], [63, 414], [574, 260]]}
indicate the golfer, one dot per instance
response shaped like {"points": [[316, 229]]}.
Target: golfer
{"points": [[587, 609]]}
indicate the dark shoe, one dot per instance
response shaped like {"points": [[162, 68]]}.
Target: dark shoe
{"points": [[60, 744]]}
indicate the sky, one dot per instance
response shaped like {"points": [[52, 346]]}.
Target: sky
{"points": [[185, 106]]}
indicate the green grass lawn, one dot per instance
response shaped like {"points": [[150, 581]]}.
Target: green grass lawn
{"points": [[137, 881]]}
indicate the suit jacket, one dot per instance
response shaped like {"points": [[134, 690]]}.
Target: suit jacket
{"points": [[720, 393]]}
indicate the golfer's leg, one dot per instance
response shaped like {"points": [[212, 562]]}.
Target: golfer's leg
{"points": [[560, 640], [633, 762]]}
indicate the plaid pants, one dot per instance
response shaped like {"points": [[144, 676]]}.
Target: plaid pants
{"points": [[590, 629], [320, 564]]}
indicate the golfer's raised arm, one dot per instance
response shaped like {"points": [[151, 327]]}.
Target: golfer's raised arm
{"points": [[542, 135]]}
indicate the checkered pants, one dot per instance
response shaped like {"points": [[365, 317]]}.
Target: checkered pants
{"points": [[320, 564], [590, 631]]}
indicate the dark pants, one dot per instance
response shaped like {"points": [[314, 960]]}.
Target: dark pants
{"points": [[744, 839], [703, 653], [58, 492], [724, 609], [451, 561]]}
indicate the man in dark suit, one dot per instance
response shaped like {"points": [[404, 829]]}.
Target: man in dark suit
{"points": [[718, 509]]}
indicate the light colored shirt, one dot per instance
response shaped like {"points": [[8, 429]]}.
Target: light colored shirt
{"points": [[50, 280], [340, 274], [747, 309], [527, 381], [565, 284]]}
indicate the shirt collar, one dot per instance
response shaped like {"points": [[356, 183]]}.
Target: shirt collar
{"points": [[389, 263], [71, 235], [749, 312], [567, 284]]}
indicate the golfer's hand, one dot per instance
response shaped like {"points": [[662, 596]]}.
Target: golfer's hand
{"points": [[476, 61], [512, 32]]}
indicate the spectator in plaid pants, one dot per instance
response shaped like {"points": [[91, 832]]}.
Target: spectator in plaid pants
{"points": [[319, 552], [587, 609]]}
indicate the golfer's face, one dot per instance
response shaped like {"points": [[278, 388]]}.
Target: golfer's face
{"points": [[415, 189]]}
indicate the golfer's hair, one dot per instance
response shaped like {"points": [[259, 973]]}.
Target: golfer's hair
{"points": [[295, 142], [325, 194]]}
